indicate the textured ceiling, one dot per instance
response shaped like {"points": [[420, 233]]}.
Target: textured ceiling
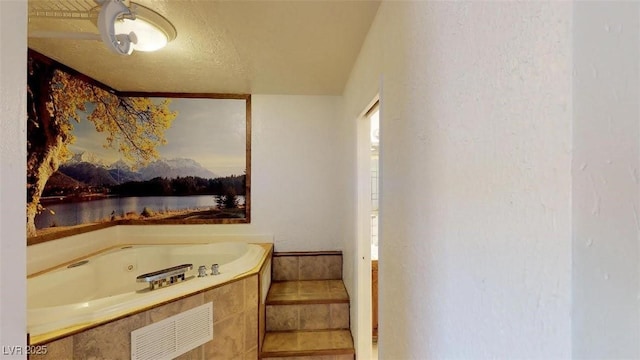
{"points": [[266, 47]]}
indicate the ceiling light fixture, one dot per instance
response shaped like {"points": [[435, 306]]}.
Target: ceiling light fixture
{"points": [[123, 29], [110, 11], [152, 30]]}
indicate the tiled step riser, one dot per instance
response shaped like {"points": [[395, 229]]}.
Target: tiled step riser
{"points": [[307, 317], [319, 357], [307, 267]]}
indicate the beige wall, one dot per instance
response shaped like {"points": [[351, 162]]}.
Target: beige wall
{"points": [[13, 148], [606, 190], [475, 209]]}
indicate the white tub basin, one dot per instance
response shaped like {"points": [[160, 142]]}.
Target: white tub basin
{"points": [[105, 287]]}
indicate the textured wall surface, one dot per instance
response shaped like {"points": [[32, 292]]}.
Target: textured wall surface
{"points": [[475, 245], [13, 149], [606, 174], [298, 178], [361, 89]]}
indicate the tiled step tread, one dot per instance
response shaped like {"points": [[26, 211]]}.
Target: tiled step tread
{"points": [[307, 292], [307, 343], [313, 357]]}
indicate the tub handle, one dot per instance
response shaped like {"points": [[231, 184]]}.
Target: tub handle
{"points": [[214, 269], [202, 271]]}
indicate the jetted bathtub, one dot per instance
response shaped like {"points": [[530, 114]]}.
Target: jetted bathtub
{"points": [[105, 286]]}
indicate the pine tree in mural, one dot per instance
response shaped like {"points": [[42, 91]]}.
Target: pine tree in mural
{"points": [[135, 126]]}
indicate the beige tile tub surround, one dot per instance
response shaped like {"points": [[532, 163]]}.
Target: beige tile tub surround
{"points": [[312, 266], [60, 349], [235, 334]]}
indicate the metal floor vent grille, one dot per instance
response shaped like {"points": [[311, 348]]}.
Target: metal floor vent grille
{"points": [[174, 336]]}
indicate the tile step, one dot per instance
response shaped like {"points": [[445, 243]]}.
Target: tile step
{"points": [[307, 317], [297, 292], [313, 357], [330, 343]]}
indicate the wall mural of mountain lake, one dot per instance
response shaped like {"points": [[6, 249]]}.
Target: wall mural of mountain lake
{"points": [[97, 156]]}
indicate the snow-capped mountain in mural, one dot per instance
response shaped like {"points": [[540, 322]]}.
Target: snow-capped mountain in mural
{"points": [[90, 169]]}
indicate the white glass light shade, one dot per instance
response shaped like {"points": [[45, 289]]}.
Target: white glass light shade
{"points": [[149, 37], [152, 30]]}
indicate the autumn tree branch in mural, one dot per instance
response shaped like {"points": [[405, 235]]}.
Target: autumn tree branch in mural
{"points": [[133, 126]]}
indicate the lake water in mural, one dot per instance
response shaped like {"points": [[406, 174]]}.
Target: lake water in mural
{"points": [[101, 210]]}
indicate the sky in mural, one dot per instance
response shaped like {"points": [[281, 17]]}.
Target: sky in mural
{"points": [[211, 132]]}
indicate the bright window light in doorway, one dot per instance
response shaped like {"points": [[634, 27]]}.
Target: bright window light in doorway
{"points": [[375, 128], [374, 125]]}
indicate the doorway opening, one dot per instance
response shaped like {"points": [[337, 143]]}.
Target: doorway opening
{"points": [[374, 123], [368, 165], [373, 117]]}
